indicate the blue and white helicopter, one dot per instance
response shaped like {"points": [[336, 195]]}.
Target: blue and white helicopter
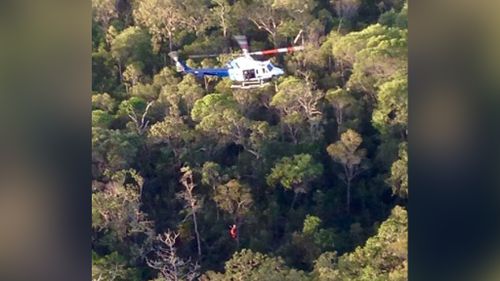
{"points": [[244, 71]]}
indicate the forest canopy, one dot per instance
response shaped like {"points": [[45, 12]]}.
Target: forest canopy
{"points": [[311, 169]]}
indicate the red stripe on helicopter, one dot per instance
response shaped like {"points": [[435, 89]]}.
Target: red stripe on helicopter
{"points": [[269, 52], [280, 50], [274, 51]]}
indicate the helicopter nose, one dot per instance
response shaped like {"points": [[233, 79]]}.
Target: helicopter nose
{"points": [[279, 71]]}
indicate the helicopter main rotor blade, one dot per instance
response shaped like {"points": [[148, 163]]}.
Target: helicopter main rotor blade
{"points": [[204, 56], [242, 41], [213, 55], [278, 50]]}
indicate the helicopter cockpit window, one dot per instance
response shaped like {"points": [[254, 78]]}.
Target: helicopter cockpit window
{"points": [[270, 67]]}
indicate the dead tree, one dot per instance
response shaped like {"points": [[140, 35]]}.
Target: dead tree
{"points": [[191, 200], [141, 123], [169, 264]]}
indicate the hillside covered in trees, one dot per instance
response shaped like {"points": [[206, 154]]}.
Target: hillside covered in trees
{"points": [[311, 168]]}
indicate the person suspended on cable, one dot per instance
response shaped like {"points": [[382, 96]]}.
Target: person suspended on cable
{"points": [[233, 231]]}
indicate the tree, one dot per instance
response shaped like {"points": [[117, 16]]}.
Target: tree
{"points": [[298, 104], [192, 201], [132, 45], [399, 173], [112, 267], [222, 10], [189, 92], [136, 109], [234, 198], [218, 116], [344, 105], [311, 225], [196, 15], [346, 151], [266, 17], [391, 113], [174, 132], [101, 118], [384, 57], [295, 173], [213, 175], [168, 263], [103, 102], [307, 245], [162, 18], [383, 257], [346, 9], [166, 77], [104, 72], [144, 91], [112, 150], [103, 11], [116, 210], [376, 54], [165, 17], [211, 104], [299, 10], [254, 266], [132, 75], [396, 16]]}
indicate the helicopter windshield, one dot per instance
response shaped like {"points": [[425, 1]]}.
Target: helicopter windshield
{"points": [[270, 67]]}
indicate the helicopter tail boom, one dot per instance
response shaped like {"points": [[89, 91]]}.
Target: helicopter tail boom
{"points": [[199, 72]]}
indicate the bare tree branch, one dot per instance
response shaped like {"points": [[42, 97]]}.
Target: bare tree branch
{"points": [[168, 263], [191, 200]]}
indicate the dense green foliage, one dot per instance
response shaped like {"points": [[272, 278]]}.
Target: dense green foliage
{"points": [[312, 168]]}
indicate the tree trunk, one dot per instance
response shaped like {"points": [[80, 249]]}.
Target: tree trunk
{"points": [[339, 120], [274, 39], [223, 22], [170, 46], [293, 134], [342, 71], [197, 234]]}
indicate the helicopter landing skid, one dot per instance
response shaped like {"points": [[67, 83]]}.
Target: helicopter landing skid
{"points": [[250, 85]]}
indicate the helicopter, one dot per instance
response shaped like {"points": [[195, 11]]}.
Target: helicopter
{"points": [[245, 71]]}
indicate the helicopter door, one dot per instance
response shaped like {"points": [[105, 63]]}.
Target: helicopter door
{"points": [[249, 74]]}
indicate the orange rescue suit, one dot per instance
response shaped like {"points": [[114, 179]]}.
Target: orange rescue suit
{"points": [[233, 231]]}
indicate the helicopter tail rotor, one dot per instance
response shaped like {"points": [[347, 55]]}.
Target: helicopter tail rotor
{"points": [[174, 55], [181, 67]]}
